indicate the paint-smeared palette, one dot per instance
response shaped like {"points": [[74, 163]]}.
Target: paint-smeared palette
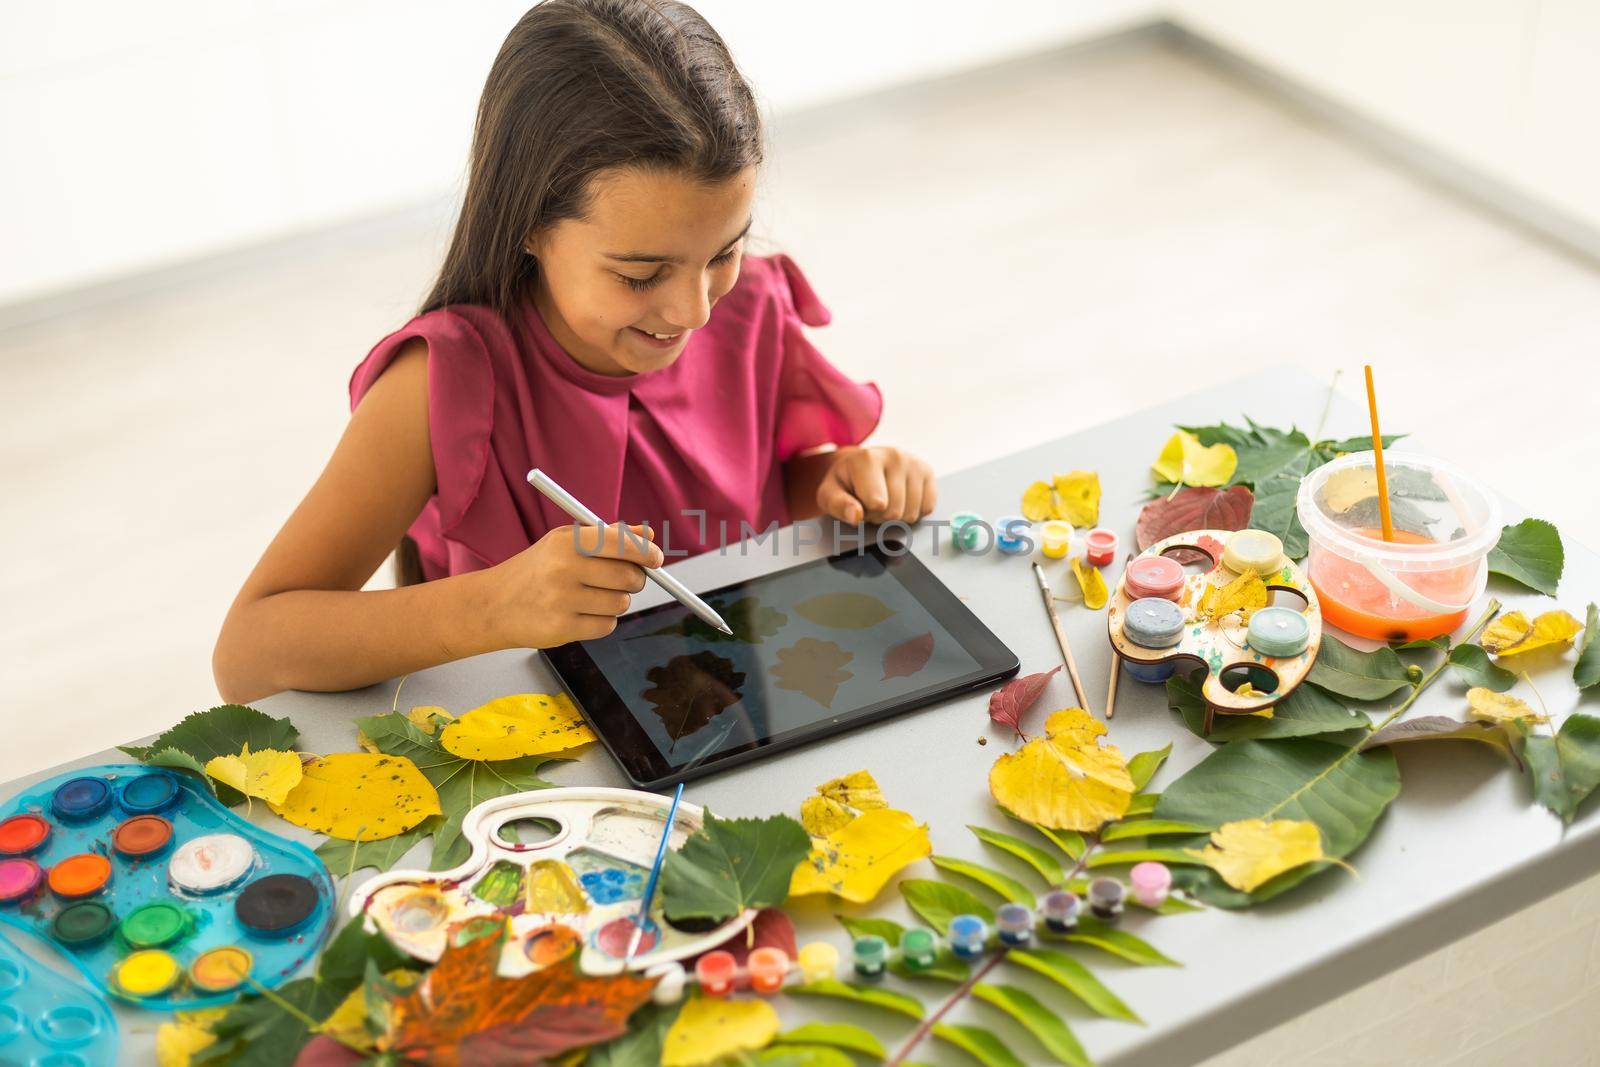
{"points": [[1222, 646], [155, 890], [588, 876], [48, 1020]]}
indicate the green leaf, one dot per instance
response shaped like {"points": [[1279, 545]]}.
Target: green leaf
{"points": [[1068, 841], [221, 731], [641, 1045], [1031, 854], [1143, 766], [1127, 857], [1357, 675], [946, 966], [1473, 666], [729, 865], [378, 855], [1530, 553], [1306, 712], [1274, 511], [1444, 728], [981, 1045], [801, 1056], [871, 996], [1003, 884], [1141, 804], [1587, 671], [1442, 643], [838, 1035], [1056, 1036], [1121, 831], [1566, 768], [936, 903], [1338, 787], [462, 784], [1076, 979], [1107, 938]]}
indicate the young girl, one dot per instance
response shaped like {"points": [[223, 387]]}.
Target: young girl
{"points": [[595, 317]]}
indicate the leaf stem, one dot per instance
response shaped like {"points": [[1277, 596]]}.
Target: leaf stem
{"points": [[1489, 613], [1327, 406], [925, 1027]]}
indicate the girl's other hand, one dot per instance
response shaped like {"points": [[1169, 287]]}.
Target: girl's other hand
{"points": [[570, 585], [878, 484]]}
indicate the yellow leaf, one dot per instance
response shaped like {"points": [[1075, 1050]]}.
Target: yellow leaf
{"points": [[1486, 705], [527, 724], [709, 1028], [855, 861], [1252, 852], [360, 796], [1245, 594], [838, 801], [1038, 502], [348, 1022], [1091, 584], [268, 774], [1512, 634], [1064, 780], [188, 1033], [1073, 498], [426, 717], [1183, 459]]}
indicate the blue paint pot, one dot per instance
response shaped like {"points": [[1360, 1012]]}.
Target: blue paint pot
{"points": [[1011, 535], [1150, 672], [1279, 632], [147, 793], [81, 798], [1153, 622]]}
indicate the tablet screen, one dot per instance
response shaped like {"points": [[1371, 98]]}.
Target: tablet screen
{"points": [[810, 647]]}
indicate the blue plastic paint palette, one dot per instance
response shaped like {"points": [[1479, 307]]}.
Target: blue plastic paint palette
{"points": [[155, 890], [49, 1021], [587, 876]]}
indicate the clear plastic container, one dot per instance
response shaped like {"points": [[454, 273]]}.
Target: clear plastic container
{"points": [[1424, 582]]}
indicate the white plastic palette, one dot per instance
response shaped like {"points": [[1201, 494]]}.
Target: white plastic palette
{"points": [[588, 876]]}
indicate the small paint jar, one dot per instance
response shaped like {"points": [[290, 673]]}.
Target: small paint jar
{"points": [[146, 973], [1014, 924], [1278, 632], [768, 966], [1060, 910], [918, 949], [210, 863], [968, 531], [1151, 883], [1011, 535], [20, 880], [968, 934], [83, 875], [154, 925], [221, 969], [1154, 576], [147, 794], [1100, 546], [870, 956], [670, 979], [81, 799], [83, 924], [1155, 623], [142, 837], [818, 961], [1106, 897], [22, 835], [715, 972], [1253, 550], [1055, 539], [277, 906]]}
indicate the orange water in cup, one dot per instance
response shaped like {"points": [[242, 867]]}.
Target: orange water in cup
{"points": [[1359, 604]]}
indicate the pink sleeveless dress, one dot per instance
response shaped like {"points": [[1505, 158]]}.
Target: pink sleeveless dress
{"points": [[708, 434]]}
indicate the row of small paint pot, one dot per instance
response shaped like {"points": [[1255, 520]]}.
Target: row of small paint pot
{"points": [[1013, 535]]}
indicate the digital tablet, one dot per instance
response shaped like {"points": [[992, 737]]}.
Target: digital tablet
{"points": [[816, 649]]}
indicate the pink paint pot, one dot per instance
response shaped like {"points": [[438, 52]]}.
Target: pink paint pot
{"points": [[1100, 546], [715, 971], [1151, 883], [20, 880], [1155, 576]]}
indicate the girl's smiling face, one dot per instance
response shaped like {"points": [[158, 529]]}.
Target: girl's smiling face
{"points": [[622, 289]]}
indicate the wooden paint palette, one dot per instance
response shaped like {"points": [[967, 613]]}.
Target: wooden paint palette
{"points": [[587, 876], [1220, 646]]}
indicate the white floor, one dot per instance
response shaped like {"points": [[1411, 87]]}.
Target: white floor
{"points": [[1012, 258]]}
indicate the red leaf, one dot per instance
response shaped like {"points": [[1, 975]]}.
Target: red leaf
{"points": [[908, 657], [1011, 701], [773, 928], [324, 1051], [1194, 509]]}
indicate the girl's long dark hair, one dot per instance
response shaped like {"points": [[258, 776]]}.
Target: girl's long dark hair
{"points": [[580, 86]]}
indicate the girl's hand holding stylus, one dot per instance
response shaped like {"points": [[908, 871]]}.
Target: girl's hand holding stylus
{"points": [[878, 484], [570, 585]]}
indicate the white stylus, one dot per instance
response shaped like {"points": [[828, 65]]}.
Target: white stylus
{"points": [[570, 504]]}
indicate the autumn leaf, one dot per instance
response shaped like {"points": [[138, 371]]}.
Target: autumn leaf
{"points": [[1251, 852], [464, 1012], [813, 667], [857, 860], [908, 657], [729, 865], [526, 724], [1444, 728], [1065, 780], [1193, 508], [1486, 705], [844, 611], [359, 796], [1185, 460], [267, 774], [1091, 584], [1011, 701], [709, 1028], [839, 800], [751, 622], [1512, 634], [1073, 498], [1245, 594], [220, 731], [689, 691], [186, 1034], [771, 928]]}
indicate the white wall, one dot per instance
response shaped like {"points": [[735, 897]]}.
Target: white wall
{"points": [[1509, 87], [137, 135]]}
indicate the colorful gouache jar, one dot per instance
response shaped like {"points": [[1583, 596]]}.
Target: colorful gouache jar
{"points": [[818, 960], [870, 955], [1100, 547], [715, 972], [1278, 632], [1011, 535], [968, 934], [768, 966], [1060, 910], [918, 949], [1154, 576], [22, 835], [1014, 925], [1253, 550], [81, 799], [1106, 897], [1151, 883], [1152, 622], [965, 529], [1055, 539]]}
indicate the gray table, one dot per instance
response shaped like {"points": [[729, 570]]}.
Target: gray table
{"points": [[1462, 847]]}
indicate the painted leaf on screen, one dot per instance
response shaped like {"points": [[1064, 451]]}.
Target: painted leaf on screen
{"points": [[729, 865], [908, 657], [844, 611], [1194, 508], [750, 620], [689, 691], [1011, 701], [813, 667]]}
